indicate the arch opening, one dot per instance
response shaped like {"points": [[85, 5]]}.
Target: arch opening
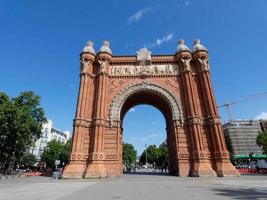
{"points": [[144, 128], [147, 98], [166, 106]]}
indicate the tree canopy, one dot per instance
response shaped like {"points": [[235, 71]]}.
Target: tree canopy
{"points": [[128, 154], [56, 151], [157, 155], [21, 120], [262, 141], [28, 160]]}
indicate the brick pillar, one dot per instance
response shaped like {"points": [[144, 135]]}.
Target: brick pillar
{"points": [[172, 148], [97, 156], [222, 163], [182, 154], [200, 165], [82, 121]]}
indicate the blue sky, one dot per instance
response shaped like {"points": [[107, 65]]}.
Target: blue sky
{"points": [[40, 42]]}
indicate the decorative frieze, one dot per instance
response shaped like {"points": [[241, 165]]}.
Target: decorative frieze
{"points": [[184, 156], [199, 155], [215, 120], [194, 120], [103, 156], [221, 155], [82, 122], [135, 70]]}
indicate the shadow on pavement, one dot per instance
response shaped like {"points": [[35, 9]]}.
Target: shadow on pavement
{"points": [[242, 193]]}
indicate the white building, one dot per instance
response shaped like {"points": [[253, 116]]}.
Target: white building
{"points": [[48, 134]]}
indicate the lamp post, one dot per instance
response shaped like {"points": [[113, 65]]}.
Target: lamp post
{"points": [[2, 153], [146, 154]]}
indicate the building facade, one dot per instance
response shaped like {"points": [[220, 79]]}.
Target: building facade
{"points": [[240, 136], [263, 124], [177, 84], [48, 134]]}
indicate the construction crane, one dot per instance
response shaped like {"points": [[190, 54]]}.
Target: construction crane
{"points": [[227, 104]]}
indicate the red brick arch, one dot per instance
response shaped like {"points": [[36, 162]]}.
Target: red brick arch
{"points": [[178, 85]]}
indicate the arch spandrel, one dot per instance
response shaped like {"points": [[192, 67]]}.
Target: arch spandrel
{"points": [[119, 100]]}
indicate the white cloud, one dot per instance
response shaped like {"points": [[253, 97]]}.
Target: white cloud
{"points": [[138, 15], [187, 3], [132, 110], [153, 122], [263, 115], [166, 38], [160, 41]]}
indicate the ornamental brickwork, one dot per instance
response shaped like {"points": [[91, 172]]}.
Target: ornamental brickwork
{"points": [[178, 85]]}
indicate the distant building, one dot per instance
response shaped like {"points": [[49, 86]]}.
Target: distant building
{"points": [[48, 134], [240, 136], [263, 124]]}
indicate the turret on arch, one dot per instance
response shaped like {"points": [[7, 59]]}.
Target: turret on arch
{"points": [[178, 85]]}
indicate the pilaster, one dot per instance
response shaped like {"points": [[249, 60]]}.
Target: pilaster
{"points": [[96, 167], [200, 165], [223, 166], [82, 121]]}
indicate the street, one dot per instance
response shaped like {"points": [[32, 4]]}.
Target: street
{"points": [[135, 186]]}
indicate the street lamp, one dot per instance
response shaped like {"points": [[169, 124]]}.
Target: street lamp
{"points": [[2, 153], [146, 154]]}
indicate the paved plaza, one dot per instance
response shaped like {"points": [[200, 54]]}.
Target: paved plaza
{"points": [[135, 186]]}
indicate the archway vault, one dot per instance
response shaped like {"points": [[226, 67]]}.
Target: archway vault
{"points": [[178, 85], [148, 93]]}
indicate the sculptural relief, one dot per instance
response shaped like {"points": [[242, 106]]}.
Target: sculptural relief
{"points": [[126, 70], [186, 62], [204, 63], [102, 65], [84, 64], [143, 56]]}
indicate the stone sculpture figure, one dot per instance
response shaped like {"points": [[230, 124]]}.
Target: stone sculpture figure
{"points": [[204, 63], [102, 65], [84, 65], [186, 62]]}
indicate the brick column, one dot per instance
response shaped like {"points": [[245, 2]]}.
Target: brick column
{"points": [[97, 156], [222, 164], [82, 121], [200, 165]]}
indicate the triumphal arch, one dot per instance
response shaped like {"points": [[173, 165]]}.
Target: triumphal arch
{"points": [[178, 85]]}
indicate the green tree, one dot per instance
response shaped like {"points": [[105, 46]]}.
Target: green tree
{"points": [[28, 160], [262, 141], [152, 154], [65, 153], [128, 154], [157, 155], [56, 151], [163, 158], [21, 120]]}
